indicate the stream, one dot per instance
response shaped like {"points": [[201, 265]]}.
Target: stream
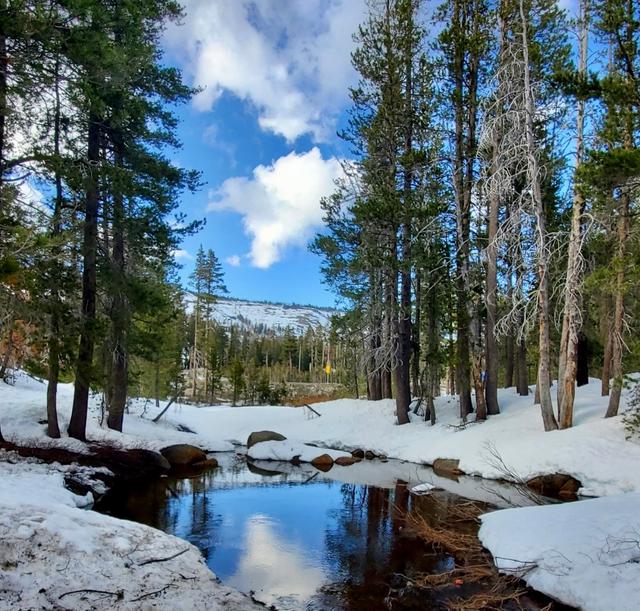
{"points": [[297, 538]]}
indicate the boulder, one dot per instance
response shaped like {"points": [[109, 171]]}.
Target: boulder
{"points": [[358, 453], [258, 436], [369, 455], [158, 460], [183, 454], [324, 462], [447, 467], [209, 463], [556, 485], [345, 461]]}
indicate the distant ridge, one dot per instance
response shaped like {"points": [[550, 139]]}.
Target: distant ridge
{"points": [[265, 316]]}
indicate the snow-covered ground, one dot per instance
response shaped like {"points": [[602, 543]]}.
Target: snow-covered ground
{"points": [[23, 405], [56, 555], [594, 451], [586, 554]]}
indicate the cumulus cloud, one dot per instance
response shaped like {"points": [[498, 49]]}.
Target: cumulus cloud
{"points": [[279, 203], [180, 253], [291, 59], [233, 260]]}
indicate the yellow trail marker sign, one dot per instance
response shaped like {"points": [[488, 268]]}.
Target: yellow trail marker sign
{"points": [[327, 369]]}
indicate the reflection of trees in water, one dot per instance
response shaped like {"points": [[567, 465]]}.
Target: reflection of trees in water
{"points": [[365, 546]]}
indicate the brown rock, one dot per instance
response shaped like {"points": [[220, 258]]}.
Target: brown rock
{"points": [[209, 463], [183, 454], [555, 485], [369, 455], [259, 436], [447, 467], [322, 462], [345, 461], [358, 453]]}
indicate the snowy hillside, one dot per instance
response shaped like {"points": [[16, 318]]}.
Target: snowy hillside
{"points": [[264, 317]]}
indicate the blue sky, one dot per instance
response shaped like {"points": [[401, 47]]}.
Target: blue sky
{"points": [[274, 76]]}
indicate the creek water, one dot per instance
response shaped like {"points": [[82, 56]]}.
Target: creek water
{"points": [[298, 538]]}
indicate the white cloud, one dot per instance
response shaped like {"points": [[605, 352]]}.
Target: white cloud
{"points": [[280, 203], [233, 260], [182, 254], [290, 59]]}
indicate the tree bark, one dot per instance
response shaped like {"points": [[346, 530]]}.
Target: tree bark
{"points": [[618, 312], [403, 355], [606, 363], [491, 358], [572, 317], [53, 428], [120, 307], [533, 172], [84, 364], [463, 373]]}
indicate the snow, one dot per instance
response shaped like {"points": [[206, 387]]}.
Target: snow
{"points": [[54, 553], [287, 450], [594, 450], [422, 489], [272, 316], [23, 404], [585, 554]]}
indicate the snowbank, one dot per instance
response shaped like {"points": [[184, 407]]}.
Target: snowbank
{"points": [[594, 451], [23, 404], [288, 450], [54, 555], [585, 554]]}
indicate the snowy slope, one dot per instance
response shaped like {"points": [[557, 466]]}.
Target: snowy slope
{"points": [[265, 317], [595, 451], [55, 555], [585, 554]]}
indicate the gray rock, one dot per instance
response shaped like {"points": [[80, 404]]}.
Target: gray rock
{"points": [[260, 436]]}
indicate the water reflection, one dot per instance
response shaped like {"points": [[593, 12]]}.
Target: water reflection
{"points": [[271, 565], [297, 539]]}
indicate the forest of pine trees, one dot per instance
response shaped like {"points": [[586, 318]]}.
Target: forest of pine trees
{"points": [[484, 234]]}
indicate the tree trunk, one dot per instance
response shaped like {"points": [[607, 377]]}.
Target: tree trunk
{"points": [[53, 428], [618, 311], [156, 382], [9, 348], [606, 363], [584, 353], [84, 365], [533, 172], [572, 316], [120, 307], [403, 353], [492, 358], [415, 337]]}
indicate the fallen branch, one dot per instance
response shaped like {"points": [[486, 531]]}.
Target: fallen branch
{"points": [[117, 594], [171, 585], [153, 560], [313, 410], [162, 413]]}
